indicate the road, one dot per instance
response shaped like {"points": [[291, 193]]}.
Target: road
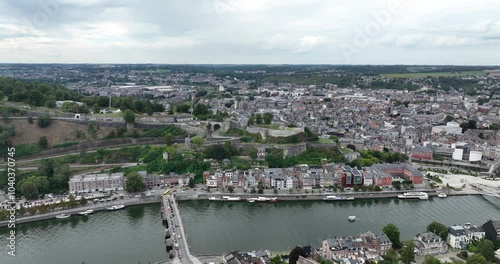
{"points": [[183, 253], [79, 166], [96, 207]]}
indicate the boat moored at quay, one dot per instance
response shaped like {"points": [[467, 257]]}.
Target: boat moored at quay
{"points": [[263, 199], [337, 198], [231, 199], [414, 195]]}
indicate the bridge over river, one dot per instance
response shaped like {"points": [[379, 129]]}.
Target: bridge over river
{"points": [[175, 238]]}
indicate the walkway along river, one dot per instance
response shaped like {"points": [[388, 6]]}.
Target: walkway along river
{"points": [[136, 234]]}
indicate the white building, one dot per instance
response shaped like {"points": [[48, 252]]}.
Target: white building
{"points": [[279, 182], [96, 182], [450, 128], [474, 233], [212, 181], [457, 237], [367, 179]]}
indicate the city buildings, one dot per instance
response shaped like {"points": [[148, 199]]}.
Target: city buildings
{"points": [[96, 182], [429, 244]]}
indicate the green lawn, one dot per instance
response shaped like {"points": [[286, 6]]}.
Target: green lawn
{"points": [[325, 140], [270, 126], [434, 74]]}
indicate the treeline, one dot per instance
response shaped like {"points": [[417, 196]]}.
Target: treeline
{"points": [[35, 93], [392, 84], [468, 86], [96, 103], [51, 177], [370, 157], [5, 134], [312, 156], [46, 94]]}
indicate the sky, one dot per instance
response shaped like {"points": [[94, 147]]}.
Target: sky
{"points": [[437, 32]]}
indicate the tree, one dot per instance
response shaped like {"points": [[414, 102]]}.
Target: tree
{"points": [[72, 201], [268, 118], [201, 110], [496, 173], [191, 183], [476, 259], [36, 98], [83, 201], [407, 252], [260, 187], [43, 142], [487, 249], [50, 103], [129, 116], [29, 190], [448, 118], [168, 139], [230, 189], [471, 124], [134, 183], [198, 141], [276, 260], [429, 259], [252, 153], [43, 121], [258, 119], [61, 175], [229, 149], [392, 232], [438, 229], [251, 121], [293, 257], [391, 257]]}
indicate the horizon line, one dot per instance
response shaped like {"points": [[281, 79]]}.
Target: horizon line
{"points": [[240, 64]]}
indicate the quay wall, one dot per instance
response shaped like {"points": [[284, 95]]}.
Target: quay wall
{"points": [[95, 207]]}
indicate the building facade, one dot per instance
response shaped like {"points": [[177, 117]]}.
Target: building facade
{"points": [[96, 182]]}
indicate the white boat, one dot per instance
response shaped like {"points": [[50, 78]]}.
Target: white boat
{"points": [[351, 218], [330, 198], [335, 198], [414, 195], [274, 200], [263, 199], [86, 212], [115, 207], [213, 199], [442, 195], [251, 200], [62, 216], [229, 198]]}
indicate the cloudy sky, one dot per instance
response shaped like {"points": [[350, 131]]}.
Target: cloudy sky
{"points": [[251, 31]]}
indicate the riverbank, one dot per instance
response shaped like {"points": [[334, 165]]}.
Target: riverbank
{"points": [[95, 207], [205, 196], [320, 196]]}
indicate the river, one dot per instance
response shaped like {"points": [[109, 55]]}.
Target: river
{"points": [[132, 235], [135, 234], [217, 227]]}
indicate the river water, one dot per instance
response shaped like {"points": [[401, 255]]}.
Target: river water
{"points": [[135, 234]]}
